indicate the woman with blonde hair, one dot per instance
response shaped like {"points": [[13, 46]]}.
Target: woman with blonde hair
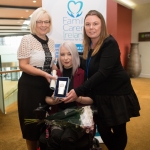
{"points": [[36, 55]]}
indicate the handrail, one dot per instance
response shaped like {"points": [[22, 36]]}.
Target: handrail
{"points": [[9, 71]]}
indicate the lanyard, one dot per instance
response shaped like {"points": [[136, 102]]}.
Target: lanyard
{"points": [[87, 64]]}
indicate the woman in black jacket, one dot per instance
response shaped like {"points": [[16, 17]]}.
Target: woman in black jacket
{"points": [[110, 84]]}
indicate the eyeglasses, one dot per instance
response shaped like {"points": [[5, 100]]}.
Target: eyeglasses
{"points": [[41, 22]]}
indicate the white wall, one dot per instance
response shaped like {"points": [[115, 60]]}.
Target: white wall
{"points": [[141, 23]]}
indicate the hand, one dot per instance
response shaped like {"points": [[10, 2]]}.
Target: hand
{"points": [[49, 77], [57, 100], [70, 97], [52, 100]]}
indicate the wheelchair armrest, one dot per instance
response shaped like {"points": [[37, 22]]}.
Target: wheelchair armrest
{"points": [[40, 112]]}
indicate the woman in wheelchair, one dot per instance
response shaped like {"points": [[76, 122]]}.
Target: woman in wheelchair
{"points": [[67, 138]]}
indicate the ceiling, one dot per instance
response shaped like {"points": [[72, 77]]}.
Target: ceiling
{"points": [[13, 14], [132, 3]]}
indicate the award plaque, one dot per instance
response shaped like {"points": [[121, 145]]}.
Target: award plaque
{"points": [[61, 88]]}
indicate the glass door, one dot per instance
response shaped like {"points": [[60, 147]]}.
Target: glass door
{"points": [[9, 76]]}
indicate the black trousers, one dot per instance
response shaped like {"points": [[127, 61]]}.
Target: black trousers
{"points": [[114, 137], [65, 139]]}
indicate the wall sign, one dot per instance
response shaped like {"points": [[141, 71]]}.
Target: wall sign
{"points": [[68, 19], [144, 36]]}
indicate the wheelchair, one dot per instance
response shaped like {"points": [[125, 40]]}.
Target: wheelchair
{"points": [[91, 144]]}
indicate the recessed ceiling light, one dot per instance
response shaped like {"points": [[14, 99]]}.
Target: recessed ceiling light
{"points": [[34, 1], [27, 10], [127, 3]]}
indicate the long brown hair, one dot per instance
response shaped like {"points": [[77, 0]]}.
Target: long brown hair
{"points": [[103, 34]]}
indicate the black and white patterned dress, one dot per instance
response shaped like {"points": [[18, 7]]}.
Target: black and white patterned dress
{"points": [[32, 89]]}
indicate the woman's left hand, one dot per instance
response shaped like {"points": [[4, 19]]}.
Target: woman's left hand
{"points": [[70, 97]]}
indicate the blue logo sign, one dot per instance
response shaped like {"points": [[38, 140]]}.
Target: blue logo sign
{"points": [[74, 8]]}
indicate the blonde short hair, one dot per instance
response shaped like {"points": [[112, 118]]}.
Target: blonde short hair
{"points": [[35, 16], [71, 47]]}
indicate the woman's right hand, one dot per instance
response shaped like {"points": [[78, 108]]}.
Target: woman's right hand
{"points": [[26, 67], [52, 100], [70, 97], [57, 100], [49, 77]]}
